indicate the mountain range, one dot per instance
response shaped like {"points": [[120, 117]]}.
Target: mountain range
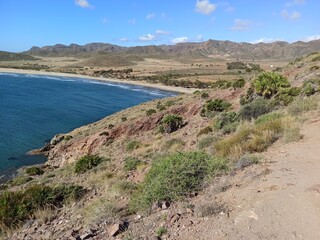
{"points": [[210, 48]]}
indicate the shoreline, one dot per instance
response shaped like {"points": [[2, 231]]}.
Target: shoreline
{"points": [[101, 79]]}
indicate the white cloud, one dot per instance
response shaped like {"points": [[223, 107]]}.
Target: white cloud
{"points": [[161, 32], [295, 2], [83, 3], [291, 16], [124, 39], [179, 40], [205, 7], [199, 38], [240, 25], [265, 40], [150, 16], [132, 21], [311, 38], [147, 38]]}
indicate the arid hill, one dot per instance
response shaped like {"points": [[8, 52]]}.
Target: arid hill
{"points": [[275, 50]]}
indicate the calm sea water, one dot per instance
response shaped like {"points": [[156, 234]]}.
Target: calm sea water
{"points": [[34, 108]]}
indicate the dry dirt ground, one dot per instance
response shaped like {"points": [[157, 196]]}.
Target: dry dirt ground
{"points": [[279, 199]]}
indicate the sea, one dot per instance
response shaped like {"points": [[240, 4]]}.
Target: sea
{"points": [[34, 108]]}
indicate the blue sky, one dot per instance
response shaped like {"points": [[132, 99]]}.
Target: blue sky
{"points": [[27, 23]]}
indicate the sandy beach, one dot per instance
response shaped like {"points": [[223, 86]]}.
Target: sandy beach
{"points": [[139, 83]]}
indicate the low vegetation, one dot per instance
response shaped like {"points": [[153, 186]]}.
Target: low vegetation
{"points": [[171, 178], [33, 171], [170, 123], [15, 207], [86, 163]]}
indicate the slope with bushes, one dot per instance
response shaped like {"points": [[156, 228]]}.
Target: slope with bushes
{"points": [[142, 170]]}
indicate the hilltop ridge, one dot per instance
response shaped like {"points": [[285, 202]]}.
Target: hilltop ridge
{"points": [[274, 50]]}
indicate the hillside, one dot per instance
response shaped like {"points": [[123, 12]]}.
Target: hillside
{"points": [[275, 50], [9, 56], [230, 162]]}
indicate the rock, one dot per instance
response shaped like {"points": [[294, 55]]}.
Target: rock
{"points": [[28, 224], [87, 236], [175, 218], [118, 228], [56, 139], [165, 205]]}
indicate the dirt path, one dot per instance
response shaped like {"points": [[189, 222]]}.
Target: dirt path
{"points": [[282, 204]]}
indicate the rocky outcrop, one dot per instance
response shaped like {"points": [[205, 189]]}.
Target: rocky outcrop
{"points": [[62, 151]]}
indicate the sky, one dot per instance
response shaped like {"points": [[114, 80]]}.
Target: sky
{"points": [[27, 23]]}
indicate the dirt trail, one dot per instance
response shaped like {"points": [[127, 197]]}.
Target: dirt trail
{"points": [[283, 204]]}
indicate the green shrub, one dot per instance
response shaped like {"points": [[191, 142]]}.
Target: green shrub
{"points": [[268, 117], [151, 111], [204, 95], [132, 145], [169, 103], [227, 121], [254, 109], [172, 177], [205, 131], [213, 106], [286, 96], [19, 180], [131, 163], [18, 206], [67, 138], [86, 163], [206, 142], [171, 123], [239, 83], [33, 171], [160, 231], [248, 97], [267, 84], [310, 87]]}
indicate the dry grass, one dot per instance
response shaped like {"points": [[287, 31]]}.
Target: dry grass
{"points": [[251, 137]]}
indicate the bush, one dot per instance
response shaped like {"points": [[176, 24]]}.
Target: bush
{"points": [[267, 84], [151, 111], [268, 117], [255, 109], [33, 171], [171, 123], [206, 142], [227, 122], [213, 106], [302, 105], [239, 83], [131, 163], [204, 95], [250, 138], [86, 163], [286, 95], [18, 206], [160, 231], [132, 145], [246, 161], [172, 177]]}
